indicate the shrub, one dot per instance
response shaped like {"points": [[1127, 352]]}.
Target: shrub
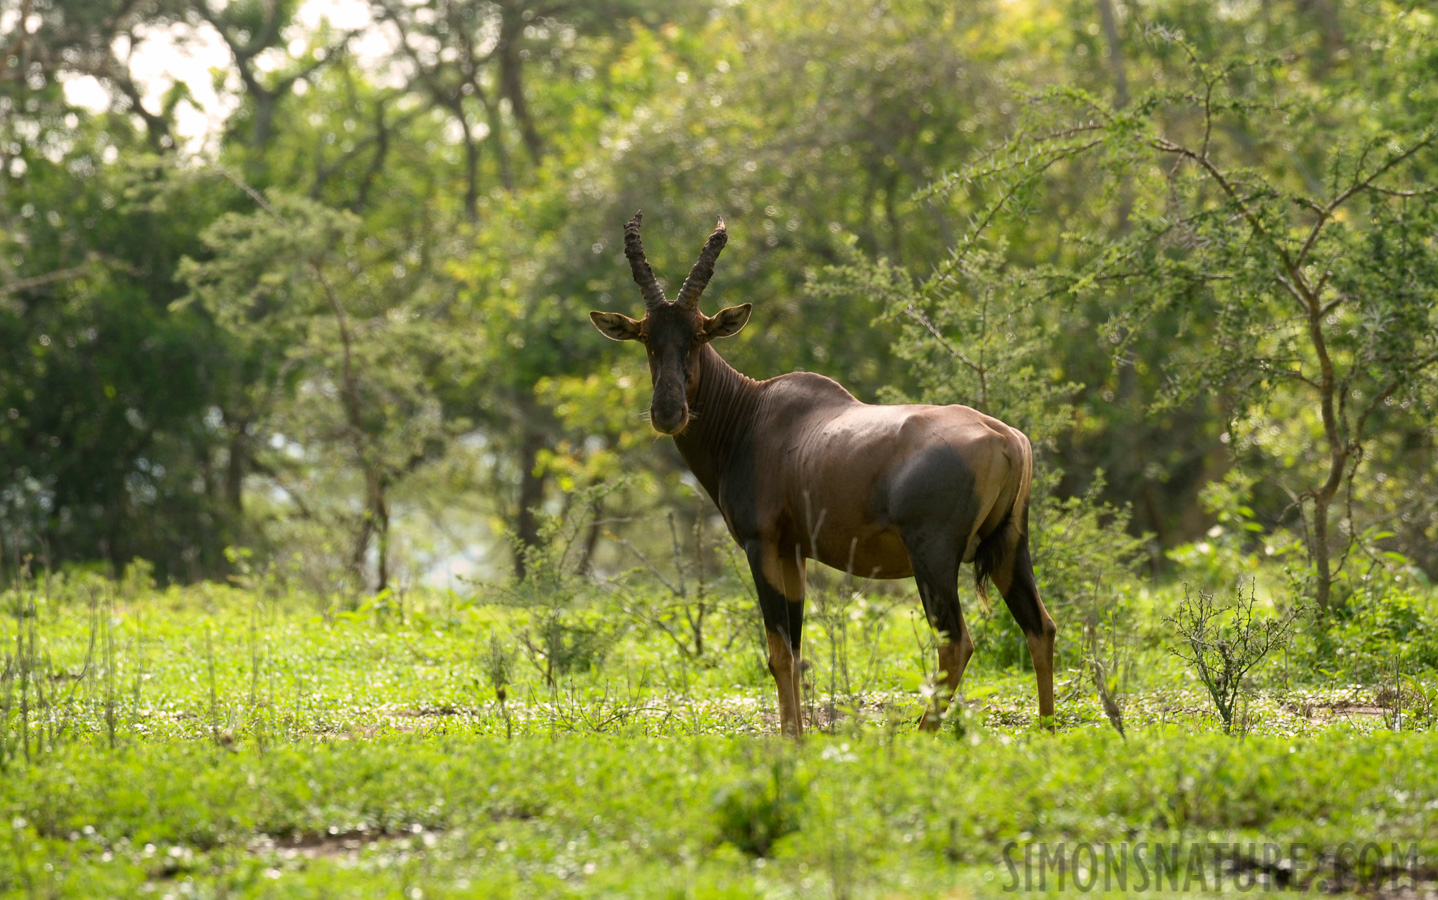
{"points": [[1224, 643], [1381, 631], [760, 807]]}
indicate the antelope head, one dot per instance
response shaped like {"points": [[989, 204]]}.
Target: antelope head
{"points": [[672, 332]]}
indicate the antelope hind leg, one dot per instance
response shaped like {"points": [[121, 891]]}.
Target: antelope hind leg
{"points": [[1015, 581]]}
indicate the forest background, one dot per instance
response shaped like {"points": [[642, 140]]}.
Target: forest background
{"points": [[338, 328]]}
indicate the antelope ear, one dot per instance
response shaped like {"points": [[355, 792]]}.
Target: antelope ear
{"points": [[615, 326], [727, 321]]}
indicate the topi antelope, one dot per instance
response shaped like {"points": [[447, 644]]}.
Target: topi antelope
{"points": [[801, 470]]}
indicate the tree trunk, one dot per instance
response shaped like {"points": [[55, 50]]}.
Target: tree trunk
{"points": [[263, 118], [531, 495], [1322, 550], [591, 536], [1334, 435], [361, 549], [1115, 53], [379, 512], [373, 527], [511, 87], [501, 154], [1322, 563], [471, 174], [235, 469]]}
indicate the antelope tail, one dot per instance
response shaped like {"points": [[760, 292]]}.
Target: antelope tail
{"points": [[998, 548]]}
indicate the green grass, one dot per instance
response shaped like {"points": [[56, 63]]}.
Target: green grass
{"points": [[222, 743], [459, 815]]}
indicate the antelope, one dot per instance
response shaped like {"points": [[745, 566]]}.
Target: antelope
{"points": [[801, 470]]}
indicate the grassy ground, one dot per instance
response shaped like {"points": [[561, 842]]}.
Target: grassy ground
{"points": [[217, 742]]}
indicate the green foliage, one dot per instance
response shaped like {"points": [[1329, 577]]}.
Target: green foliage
{"points": [[1290, 289], [220, 733], [966, 340], [1237, 546], [1383, 633], [596, 817], [566, 630], [106, 395], [761, 806], [343, 395], [1080, 542], [971, 190]]}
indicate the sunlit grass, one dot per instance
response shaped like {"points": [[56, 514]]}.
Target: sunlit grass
{"points": [[233, 743]]}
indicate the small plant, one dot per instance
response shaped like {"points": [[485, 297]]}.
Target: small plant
{"points": [[138, 580], [1076, 537], [35, 714], [561, 638], [682, 616], [1108, 658], [497, 660], [959, 722], [760, 807], [1072, 539], [1378, 630], [18, 668], [1223, 643]]}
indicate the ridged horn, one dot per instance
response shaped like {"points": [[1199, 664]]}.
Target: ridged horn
{"points": [[703, 268], [643, 275]]}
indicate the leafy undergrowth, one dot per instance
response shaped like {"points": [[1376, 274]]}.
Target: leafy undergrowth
{"points": [[214, 742], [905, 814]]}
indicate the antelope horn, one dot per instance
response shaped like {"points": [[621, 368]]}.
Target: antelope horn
{"points": [[703, 268], [643, 275]]}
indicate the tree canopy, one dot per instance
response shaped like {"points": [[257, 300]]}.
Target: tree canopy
{"points": [[1176, 243]]}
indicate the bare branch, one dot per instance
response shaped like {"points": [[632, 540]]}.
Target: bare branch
{"points": [[34, 281], [1325, 212], [1406, 375]]}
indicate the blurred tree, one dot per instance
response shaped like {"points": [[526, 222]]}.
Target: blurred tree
{"points": [[58, 39], [468, 58], [254, 32], [467, 61], [1304, 286], [108, 445], [109, 440], [350, 345]]}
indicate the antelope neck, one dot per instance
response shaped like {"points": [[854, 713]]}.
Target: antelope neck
{"points": [[725, 405]]}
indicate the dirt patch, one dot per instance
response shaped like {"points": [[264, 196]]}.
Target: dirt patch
{"points": [[428, 712], [333, 843], [1358, 710], [1338, 709], [1393, 874]]}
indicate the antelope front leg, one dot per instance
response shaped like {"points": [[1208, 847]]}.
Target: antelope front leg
{"points": [[936, 574], [784, 666], [953, 659], [780, 584]]}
